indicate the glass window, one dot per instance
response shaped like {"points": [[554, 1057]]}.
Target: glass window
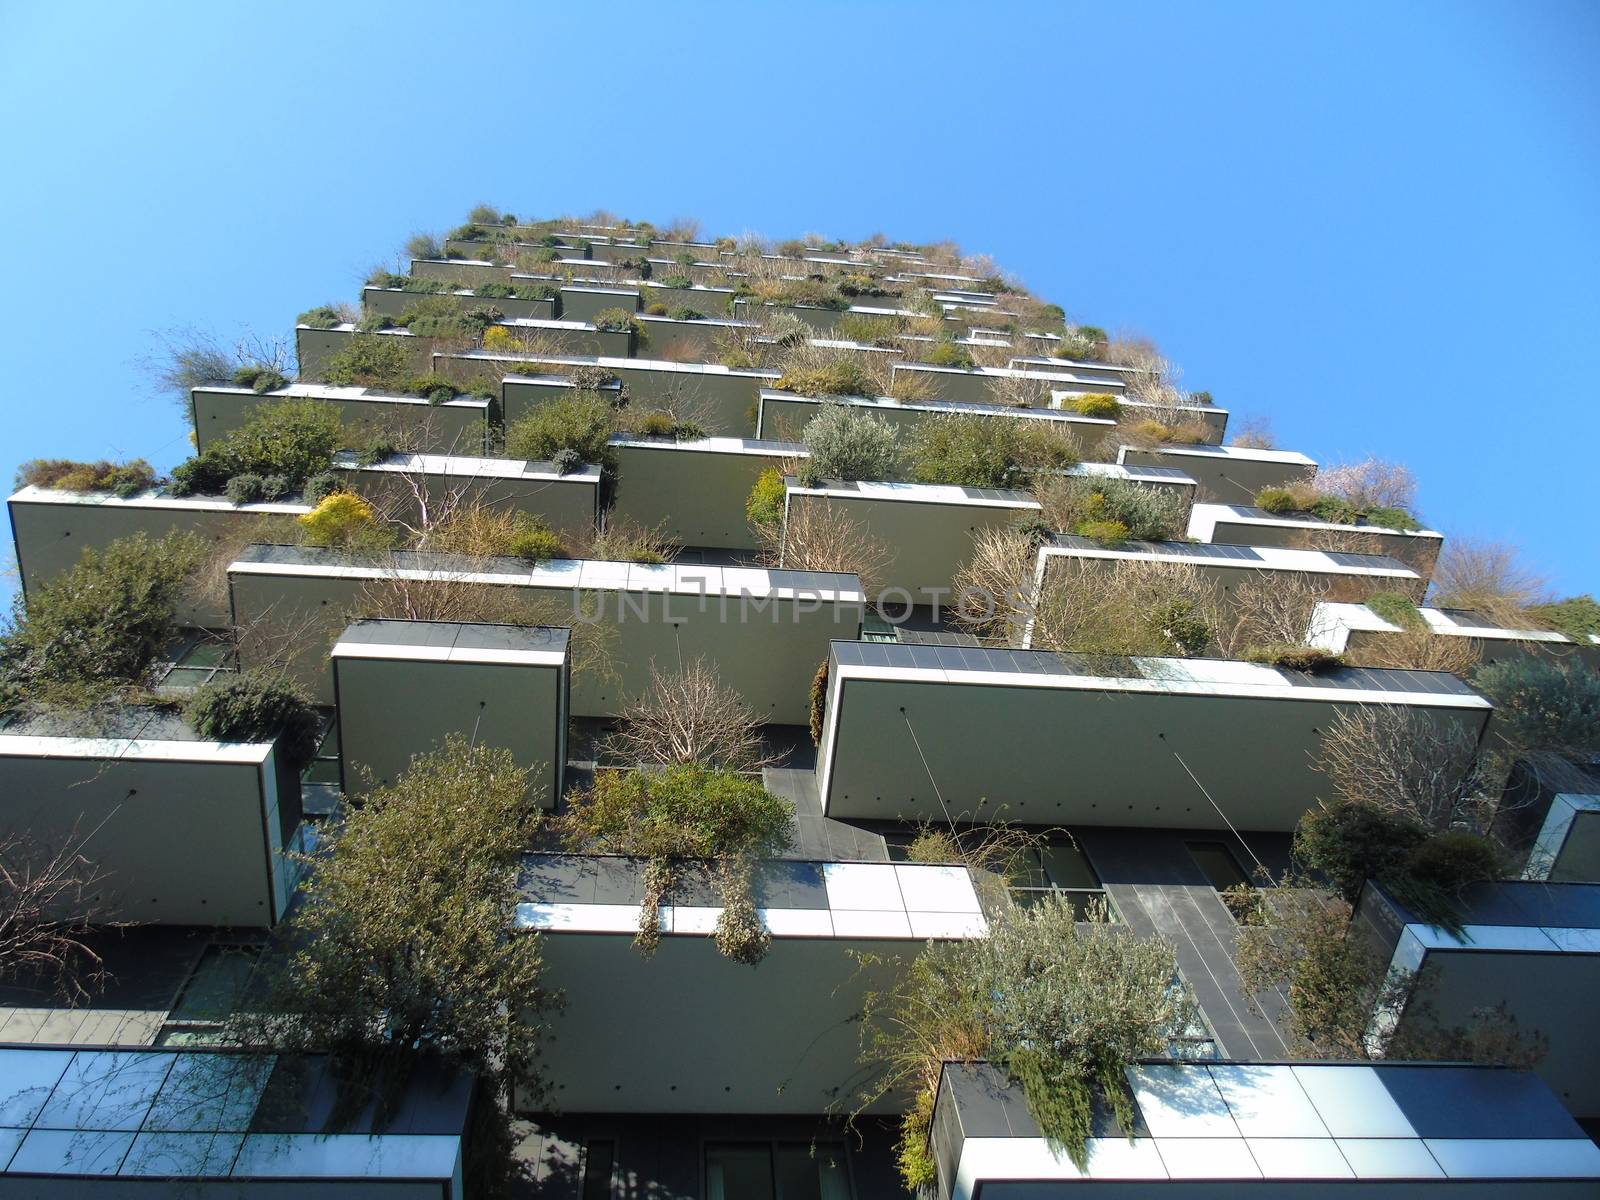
{"points": [[739, 1172], [1218, 864], [1068, 867]]}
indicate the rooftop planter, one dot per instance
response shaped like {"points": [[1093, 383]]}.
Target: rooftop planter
{"points": [[1273, 1129], [459, 425], [403, 686], [608, 1053], [565, 502], [1356, 629], [1040, 738], [784, 414], [977, 385], [1225, 474], [1532, 947], [1212, 419], [1342, 575], [720, 398], [694, 490], [761, 629], [393, 302], [51, 529], [103, 1122], [188, 831], [929, 527], [1246, 525]]}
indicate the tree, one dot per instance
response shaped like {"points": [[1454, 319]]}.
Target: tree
{"points": [[1543, 705], [402, 946], [48, 904], [690, 716], [1063, 1005], [1422, 767]]}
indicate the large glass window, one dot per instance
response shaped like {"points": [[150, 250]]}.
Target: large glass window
{"points": [[776, 1171], [1221, 869]]}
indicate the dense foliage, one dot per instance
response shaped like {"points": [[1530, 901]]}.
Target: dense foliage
{"points": [[847, 443], [580, 421], [255, 707], [987, 452], [124, 479], [291, 440]]}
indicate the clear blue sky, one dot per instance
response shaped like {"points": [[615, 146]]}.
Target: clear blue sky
{"points": [[1378, 224]]}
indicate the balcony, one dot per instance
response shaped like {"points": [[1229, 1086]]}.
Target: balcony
{"points": [[1533, 948], [1273, 1129], [96, 1123], [1225, 474], [976, 385], [404, 483], [689, 1031], [394, 302], [316, 347], [920, 732], [694, 491], [51, 529], [762, 629], [1244, 525], [784, 414], [458, 426], [403, 686], [927, 528], [1356, 630], [187, 831]]}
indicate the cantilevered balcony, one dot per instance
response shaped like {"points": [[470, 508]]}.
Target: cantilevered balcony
{"points": [[1357, 630], [1303, 1130], [1246, 525], [762, 629], [456, 426], [694, 491], [689, 1031], [785, 414], [1531, 950], [1226, 474], [186, 830], [929, 732]]}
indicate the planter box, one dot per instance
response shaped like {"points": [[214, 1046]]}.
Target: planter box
{"points": [[467, 272], [777, 1039], [785, 414], [1044, 739], [459, 426], [393, 302], [1214, 419], [1533, 948], [583, 303], [1355, 629], [566, 503], [1226, 568], [187, 831], [976, 385], [686, 341], [1306, 1130], [475, 249], [1244, 525], [1225, 474], [315, 347], [713, 301], [51, 529], [721, 399], [403, 686], [763, 630], [928, 528], [694, 491]]}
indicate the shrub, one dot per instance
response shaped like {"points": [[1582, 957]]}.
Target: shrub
{"points": [[124, 479], [1543, 705], [320, 486], [338, 519], [260, 379], [1313, 660], [1397, 608], [676, 281], [590, 379], [100, 625], [846, 443], [868, 330], [1277, 500], [295, 438], [205, 474], [245, 489], [252, 707], [838, 377], [764, 507], [655, 310], [324, 316], [566, 461], [617, 320], [370, 360], [1108, 534], [1391, 518], [533, 540], [683, 811], [423, 245], [1148, 514], [1577, 616], [947, 353], [1350, 841], [818, 702], [435, 389], [582, 422], [987, 452], [1098, 404], [684, 313], [276, 487]]}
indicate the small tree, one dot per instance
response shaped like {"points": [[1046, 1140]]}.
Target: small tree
{"points": [[48, 904], [690, 716], [1543, 705], [402, 947], [846, 443], [1421, 767]]}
